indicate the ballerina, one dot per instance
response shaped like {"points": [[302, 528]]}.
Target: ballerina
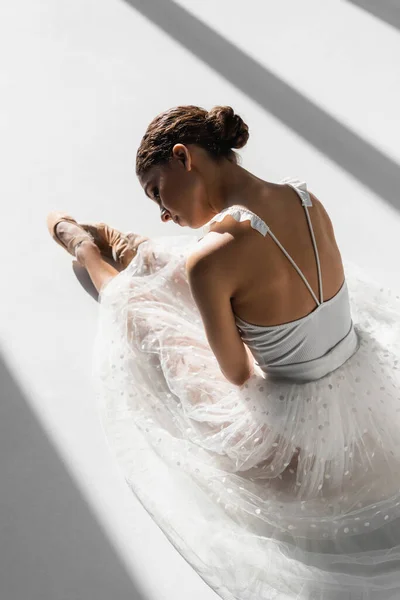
{"points": [[248, 381]]}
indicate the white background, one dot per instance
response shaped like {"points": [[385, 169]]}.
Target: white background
{"points": [[318, 83]]}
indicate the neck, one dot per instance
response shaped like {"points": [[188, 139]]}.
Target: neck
{"points": [[233, 184]]}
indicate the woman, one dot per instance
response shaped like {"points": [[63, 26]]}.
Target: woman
{"points": [[248, 384]]}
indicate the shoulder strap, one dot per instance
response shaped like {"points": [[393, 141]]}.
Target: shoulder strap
{"points": [[240, 213], [301, 188]]}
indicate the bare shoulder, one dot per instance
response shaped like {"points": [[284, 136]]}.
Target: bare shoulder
{"points": [[217, 258], [213, 252], [321, 211], [206, 252]]}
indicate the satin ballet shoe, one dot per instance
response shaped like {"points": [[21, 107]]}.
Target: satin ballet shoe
{"points": [[121, 247], [56, 217]]}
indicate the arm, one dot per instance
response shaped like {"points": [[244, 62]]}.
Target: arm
{"points": [[211, 292]]}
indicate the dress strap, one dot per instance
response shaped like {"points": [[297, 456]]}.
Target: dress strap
{"points": [[296, 267], [240, 213], [300, 187]]}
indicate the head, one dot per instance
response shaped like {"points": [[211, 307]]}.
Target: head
{"points": [[183, 158]]}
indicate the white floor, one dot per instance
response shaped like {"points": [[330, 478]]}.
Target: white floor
{"points": [[318, 84]]}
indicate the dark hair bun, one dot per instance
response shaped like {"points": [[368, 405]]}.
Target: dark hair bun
{"points": [[230, 130]]}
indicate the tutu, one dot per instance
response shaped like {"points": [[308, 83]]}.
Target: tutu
{"points": [[272, 490]]}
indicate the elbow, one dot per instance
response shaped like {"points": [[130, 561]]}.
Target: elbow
{"points": [[239, 381], [243, 380]]}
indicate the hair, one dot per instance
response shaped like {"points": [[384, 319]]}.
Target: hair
{"points": [[218, 131]]}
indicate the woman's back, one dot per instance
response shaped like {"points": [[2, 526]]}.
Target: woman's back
{"points": [[299, 342], [266, 289]]}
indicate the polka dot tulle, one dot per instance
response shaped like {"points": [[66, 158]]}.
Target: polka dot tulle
{"points": [[269, 490]]}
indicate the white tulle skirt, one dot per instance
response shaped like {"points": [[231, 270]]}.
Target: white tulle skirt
{"points": [[212, 462]]}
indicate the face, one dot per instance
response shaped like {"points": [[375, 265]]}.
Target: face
{"points": [[178, 188]]}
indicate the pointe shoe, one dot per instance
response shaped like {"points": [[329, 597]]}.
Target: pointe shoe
{"points": [[54, 218], [121, 247]]}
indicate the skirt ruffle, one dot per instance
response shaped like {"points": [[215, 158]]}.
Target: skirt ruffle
{"points": [[272, 490]]}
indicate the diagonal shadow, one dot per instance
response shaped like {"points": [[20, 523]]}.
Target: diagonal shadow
{"points": [[52, 546], [385, 10], [351, 152]]}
